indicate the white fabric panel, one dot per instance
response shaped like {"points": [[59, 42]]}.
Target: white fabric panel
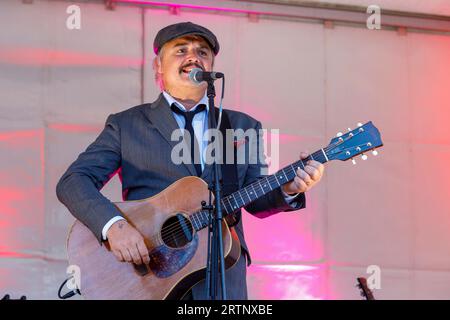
{"points": [[21, 87], [368, 205], [21, 192], [429, 65], [58, 86], [288, 282], [367, 79], [63, 144], [23, 276], [282, 75], [111, 39], [52, 76], [63, 74], [394, 205], [440, 7], [370, 214], [430, 183], [431, 285]]}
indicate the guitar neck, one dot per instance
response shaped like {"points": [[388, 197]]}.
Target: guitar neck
{"points": [[257, 189], [343, 147], [365, 291], [260, 187]]}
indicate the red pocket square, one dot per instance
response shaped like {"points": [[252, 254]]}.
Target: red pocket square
{"points": [[239, 143]]}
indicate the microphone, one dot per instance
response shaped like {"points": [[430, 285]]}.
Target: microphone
{"points": [[198, 75]]}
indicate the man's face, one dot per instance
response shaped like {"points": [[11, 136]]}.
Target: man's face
{"points": [[178, 58]]}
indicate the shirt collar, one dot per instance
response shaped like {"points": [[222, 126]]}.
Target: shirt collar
{"points": [[170, 100]]}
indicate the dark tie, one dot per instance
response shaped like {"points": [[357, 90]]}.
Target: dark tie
{"points": [[195, 147]]}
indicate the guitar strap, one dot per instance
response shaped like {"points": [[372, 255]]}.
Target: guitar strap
{"points": [[229, 179]]}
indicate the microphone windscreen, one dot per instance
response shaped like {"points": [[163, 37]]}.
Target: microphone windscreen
{"points": [[193, 75]]}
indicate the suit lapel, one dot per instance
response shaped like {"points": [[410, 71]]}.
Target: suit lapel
{"points": [[161, 117]]}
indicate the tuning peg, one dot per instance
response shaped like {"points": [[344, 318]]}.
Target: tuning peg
{"points": [[360, 124], [364, 157], [353, 161], [349, 129], [339, 134], [375, 152]]}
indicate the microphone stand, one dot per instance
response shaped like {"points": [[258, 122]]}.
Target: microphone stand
{"points": [[215, 258]]}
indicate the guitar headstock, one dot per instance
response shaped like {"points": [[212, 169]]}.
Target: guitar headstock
{"points": [[364, 289], [355, 142]]}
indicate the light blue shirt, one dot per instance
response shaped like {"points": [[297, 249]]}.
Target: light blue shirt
{"points": [[199, 123]]}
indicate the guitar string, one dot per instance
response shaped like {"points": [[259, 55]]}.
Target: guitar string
{"points": [[175, 231], [175, 228], [178, 232]]}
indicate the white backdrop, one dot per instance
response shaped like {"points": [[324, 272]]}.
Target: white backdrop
{"points": [[57, 87]]}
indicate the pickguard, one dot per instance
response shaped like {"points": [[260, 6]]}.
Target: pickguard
{"points": [[166, 261]]}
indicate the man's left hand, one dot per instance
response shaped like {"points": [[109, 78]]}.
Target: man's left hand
{"points": [[305, 179]]}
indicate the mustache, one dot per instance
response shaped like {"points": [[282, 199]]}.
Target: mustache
{"points": [[191, 64]]}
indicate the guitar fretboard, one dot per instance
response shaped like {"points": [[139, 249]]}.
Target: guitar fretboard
{"points": [[257, 189]]}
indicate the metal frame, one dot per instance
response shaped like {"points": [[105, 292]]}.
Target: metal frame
{"points": [[326, 13], [308, 11]]}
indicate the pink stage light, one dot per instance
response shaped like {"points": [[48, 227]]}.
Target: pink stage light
{"points": [[70, 127], [40, 56], [21, 190], [288, 282]]}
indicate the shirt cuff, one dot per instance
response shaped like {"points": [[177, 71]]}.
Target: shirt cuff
{"points": [[109, 224], [288, 197]]}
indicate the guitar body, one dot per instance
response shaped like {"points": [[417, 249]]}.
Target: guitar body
{"points": [[176, 264]]}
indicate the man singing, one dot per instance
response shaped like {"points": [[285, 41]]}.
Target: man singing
{"points": [[137, 143]]}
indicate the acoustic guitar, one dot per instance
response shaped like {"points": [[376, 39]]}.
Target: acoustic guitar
{"points": [[174, 227]]}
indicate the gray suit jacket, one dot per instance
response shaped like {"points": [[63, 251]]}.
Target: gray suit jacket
{"points": [[137, 144]]}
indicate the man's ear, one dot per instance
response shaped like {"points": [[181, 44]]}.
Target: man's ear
{"points": [[157, 64]]}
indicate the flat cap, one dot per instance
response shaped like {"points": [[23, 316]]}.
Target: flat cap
{"points": [[183, 29]]}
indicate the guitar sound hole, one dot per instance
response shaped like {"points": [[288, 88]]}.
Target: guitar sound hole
{"points": [[177, 231]]}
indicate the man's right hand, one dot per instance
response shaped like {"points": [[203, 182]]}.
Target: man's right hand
{"points": [[127, 243]]}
